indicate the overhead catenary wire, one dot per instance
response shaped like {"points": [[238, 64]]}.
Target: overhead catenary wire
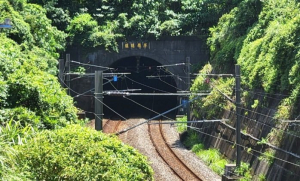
{"points": [[110, 108], [91, 65], [171, 65], [72, 89], [184, 122], [233, 143], [262, 94], [80, 94], [273, 94], [145, 85], [173, 75], [172, 109], [170, 84], [198, 130], [261, 122], [118, 92], [272, 118], [145, 107], [245, 147], [115, 88], [270, 145], [148, 120]]}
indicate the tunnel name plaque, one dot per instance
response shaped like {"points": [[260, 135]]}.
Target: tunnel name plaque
{"points": [[136, 45]]}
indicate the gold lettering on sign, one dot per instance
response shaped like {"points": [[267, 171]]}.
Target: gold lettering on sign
{"points": [[136, 45], [145, 45], [126, 45], [132, 45], [139, 45]]}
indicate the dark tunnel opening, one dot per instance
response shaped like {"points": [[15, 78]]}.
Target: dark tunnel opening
{"points": [[145, 77]]}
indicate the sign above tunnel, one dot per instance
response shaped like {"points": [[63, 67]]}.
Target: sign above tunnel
{"points": [[136, 45]]}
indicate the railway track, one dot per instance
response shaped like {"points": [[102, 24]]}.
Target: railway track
{"points": [[111, 126], [163, 149], [168, 155]]}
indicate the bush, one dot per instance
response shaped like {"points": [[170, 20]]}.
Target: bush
{"points": [[191, 140], [41, 93], [79, 153], [245, 171]]}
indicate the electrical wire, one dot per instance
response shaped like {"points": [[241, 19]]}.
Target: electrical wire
{"points": [[233, 173], [198, 130], [110, 108], [145, 107], [161, 114], [245, 147], [146, 85], [91, 65], [170, 73], [263, 93], [248, 109], [85, 92], [269, 126], [170, 85], [170, 65], [259, 122], [70, 88]]}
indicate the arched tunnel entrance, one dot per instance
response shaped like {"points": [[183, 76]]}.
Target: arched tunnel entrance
{"points": [[146, 76]]}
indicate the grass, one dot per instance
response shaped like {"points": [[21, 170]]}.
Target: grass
{"points": [[191, 140], [181, 127], [211, 157], [11, 134]]}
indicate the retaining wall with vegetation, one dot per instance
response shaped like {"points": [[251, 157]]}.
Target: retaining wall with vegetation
{"points": [[270, 146]]}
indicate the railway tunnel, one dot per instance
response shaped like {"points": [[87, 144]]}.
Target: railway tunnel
{"points": [[146, 78], [142, 62]]}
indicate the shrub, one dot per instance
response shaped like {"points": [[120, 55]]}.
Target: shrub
{"points": [[79, 153], [41, 93], [245, 171], [191, 140]]}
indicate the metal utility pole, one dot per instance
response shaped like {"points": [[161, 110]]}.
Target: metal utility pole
{"points": [[229, 168], [188, 71], [61, 66], [238, 114], [68, 62], [98, 100]]}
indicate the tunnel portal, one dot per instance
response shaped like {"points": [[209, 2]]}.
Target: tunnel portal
{"points": [[146, 76], [140, 58]]}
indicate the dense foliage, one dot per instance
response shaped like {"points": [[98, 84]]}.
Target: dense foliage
{"points": [[78, 153], [261, 36], [94, 23], [212, 105], [32, 99], [226, 39], [28, 53]]}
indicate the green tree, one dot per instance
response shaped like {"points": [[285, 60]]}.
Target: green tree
{"points": [[80, 153]]}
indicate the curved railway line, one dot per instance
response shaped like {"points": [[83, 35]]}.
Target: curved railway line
{"points": [[163, 149], [111, 126], [168, 155]]}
